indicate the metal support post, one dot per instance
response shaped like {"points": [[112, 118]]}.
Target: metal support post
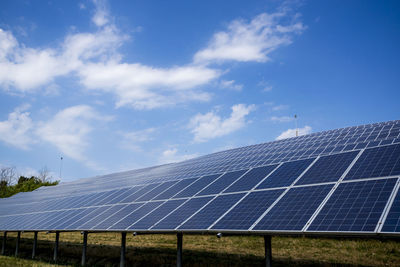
{"points": [[179, 250], [3, 247], [17, 243], [85, 234], [34, 245], [268, 253], [56, 247], [123, 249]]}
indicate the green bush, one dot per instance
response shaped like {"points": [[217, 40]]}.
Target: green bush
{"points": [[24, 184]]}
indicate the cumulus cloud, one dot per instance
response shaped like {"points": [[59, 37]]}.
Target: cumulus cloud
{"points": [[101, 16], [16, 129], [292, 132], [171, 155], [210, 125], [250, 41]]}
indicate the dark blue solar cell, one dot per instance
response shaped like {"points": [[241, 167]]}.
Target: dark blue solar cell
{"points": [[242, 216], [212, 211], [221, 183], [355, 206], [101, 217], [44, 224], [156, 215], [123, 195], [135, 215], [175, 189], [294, 209], [328, 168], [174, 219], [105, 199], [376, 162], [122, 213], [250, 179], [80, 213], [67, 215], [286, 174], [392, 222], [143, 190], [156, 191], [42, 217], [192, 189], [89, 214], [96, 197]]}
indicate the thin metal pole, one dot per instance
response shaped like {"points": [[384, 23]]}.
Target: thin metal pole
{"points": [[3, 248], [123, 249], [17, 244], [179, 250], [268, 253], [56, 247], [34, 245], [85, 234]]}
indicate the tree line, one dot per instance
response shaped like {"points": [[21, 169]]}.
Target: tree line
{"points": [[11, 184]]}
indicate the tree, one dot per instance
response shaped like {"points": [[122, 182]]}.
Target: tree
{"points": [[44, 175], [7, 175]]}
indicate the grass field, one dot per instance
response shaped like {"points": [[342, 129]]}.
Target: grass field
{"points": [[203, 250]]}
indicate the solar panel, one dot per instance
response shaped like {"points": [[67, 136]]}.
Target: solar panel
{"points": [[337, 181], [377, 162], [354, 206], [242, 216], [328, 168], [210, 213], [174, 219], [221, 183], [286, 174], [392, 222], [251, 179], [294, 209]]}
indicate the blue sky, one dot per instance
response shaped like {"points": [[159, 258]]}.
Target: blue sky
{"points": [[119, 85]]}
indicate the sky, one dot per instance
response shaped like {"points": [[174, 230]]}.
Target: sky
{"points": [[119, 85]]}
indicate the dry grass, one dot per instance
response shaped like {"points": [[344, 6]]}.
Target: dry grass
{"points": [[206, 250]]}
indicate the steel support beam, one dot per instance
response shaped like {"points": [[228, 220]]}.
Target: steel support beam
{"points": [[84, 248], [34, 245], [3, 247], [268, 253], [179, 250], [17, 243], [56, 247], [123, 249]]}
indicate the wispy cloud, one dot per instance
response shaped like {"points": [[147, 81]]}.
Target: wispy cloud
{"points": [[282, 119], [171, 155], [280, 107], [131, 140], [232, 85], [210, 125], [68, 130], [292, 132], [250, 41]]}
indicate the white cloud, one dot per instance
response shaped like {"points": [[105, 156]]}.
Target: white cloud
{"points": [[231, 85], [130, 140], [292, 132], [252, 41], [144, 87], [101, 16], [172, 155], [280, 107], [210, 125], [282, 118], [68, 130], [16, 129]]}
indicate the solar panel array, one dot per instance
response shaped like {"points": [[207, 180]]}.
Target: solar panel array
{"points": [[343, 181]]}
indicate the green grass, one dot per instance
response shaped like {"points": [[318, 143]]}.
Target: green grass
{"points": [[204, 250]]}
